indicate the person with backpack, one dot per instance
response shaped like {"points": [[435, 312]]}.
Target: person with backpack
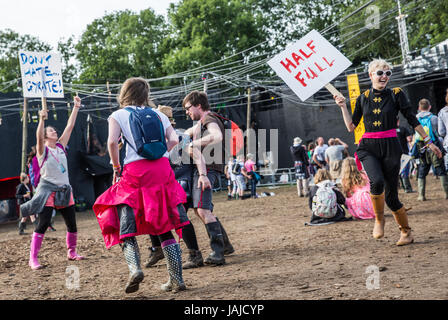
{"points": [[301, 164], [325, 200], [249, 170], [183, 172], [24, 194], [208, 133], [240, 176], [144, 196], [53, 190], [428, 158], [356, 187], [379, 150], [34, 175]]}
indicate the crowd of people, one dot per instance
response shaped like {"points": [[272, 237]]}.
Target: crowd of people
{"points": [[152, 191]]}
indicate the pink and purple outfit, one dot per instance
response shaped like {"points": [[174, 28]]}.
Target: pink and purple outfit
{"points": [[359, 204]]}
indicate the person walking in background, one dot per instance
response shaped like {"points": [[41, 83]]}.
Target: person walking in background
{"points": [[250, 168], [145, 195], [334, 155], [24, 194], [319, 153], [313, 166], [54, 190], [228, 174], [443, 128], [301, 164], [356, 187], [379, 150], [428, 158], [404, 136], [240, 174]]}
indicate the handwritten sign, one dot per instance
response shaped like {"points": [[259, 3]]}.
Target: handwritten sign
{"points": [[41, 74], [309, 64]]}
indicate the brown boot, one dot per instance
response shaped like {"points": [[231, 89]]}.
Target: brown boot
{"points": [[401, 217], [378, 208]]}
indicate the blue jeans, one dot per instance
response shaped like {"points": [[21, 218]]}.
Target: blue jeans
{"points": [[253, 187]]}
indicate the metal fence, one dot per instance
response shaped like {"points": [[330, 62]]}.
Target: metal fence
{"points": [[281, 177]]}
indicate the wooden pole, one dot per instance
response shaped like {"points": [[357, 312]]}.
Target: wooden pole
{"points": [[44, 106], [333, 90], [248, 120], [24, 134]]}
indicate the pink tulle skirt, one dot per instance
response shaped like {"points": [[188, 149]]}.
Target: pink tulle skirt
{"points": [[359, 205], [151, 190]]}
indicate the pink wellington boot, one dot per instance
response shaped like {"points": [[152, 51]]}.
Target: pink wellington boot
{"points": [[71, 246], [36, 243]]}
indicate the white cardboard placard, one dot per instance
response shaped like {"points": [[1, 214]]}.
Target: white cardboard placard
{"points": [[41, 74], [308, 64]]}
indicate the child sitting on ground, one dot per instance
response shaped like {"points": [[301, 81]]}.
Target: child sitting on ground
{"points": [[356, 188], [325, 200]]}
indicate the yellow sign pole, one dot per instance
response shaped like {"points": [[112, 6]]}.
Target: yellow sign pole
{"points": [[354, 92]]}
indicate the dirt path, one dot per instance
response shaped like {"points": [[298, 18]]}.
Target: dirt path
{"points": [[276, 257]]}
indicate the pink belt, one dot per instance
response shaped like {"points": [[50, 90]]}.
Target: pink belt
{"points": [[375, 135]]}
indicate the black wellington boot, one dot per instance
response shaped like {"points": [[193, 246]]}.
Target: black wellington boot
{"points": [[228, 248], [216, 243], [22, 228]]}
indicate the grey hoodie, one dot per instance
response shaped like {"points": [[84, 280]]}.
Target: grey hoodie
{"points": [[43, 192], [443, 126]]}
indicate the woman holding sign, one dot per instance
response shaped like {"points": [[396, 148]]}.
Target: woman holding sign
{"points": [[54, 190], [379, 149]]}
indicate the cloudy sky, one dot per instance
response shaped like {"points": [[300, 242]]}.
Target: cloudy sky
{"points": [[51, 20]]}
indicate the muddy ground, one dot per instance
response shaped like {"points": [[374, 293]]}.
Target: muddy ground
{"points": [[276, 257]]}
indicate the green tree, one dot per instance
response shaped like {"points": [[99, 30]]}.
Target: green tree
{"points": [[205, 31], [10, 44], [120, 45], [68, 53], [360, 42], [427, 23]]}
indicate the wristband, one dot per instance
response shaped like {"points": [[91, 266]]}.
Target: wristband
{"points": [[203, 174], [427, 139]]}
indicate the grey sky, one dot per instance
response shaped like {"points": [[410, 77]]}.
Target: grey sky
{"points": [[51, 20]]}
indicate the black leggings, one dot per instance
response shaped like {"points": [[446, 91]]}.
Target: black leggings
{"points": [[68, 214], [381, 161], [157, 240]]}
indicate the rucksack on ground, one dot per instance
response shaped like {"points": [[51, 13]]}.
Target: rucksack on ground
{"points": [[34, 168], [325, 201], [148, 133], [237, 139]]}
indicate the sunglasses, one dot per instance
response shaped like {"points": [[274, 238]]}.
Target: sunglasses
{"points": [[380, 73]]}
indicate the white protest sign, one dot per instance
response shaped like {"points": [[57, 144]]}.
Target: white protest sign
{"points": [[309, 64], [41, 74]]}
